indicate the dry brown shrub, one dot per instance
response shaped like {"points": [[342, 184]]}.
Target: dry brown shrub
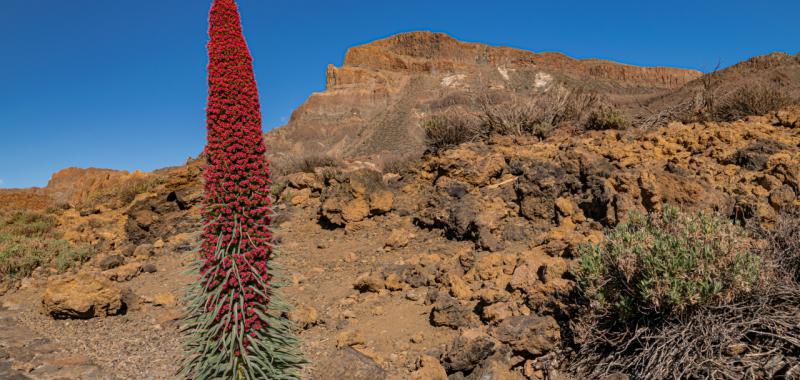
{"points": [[538, 114], [449, 128], [749, 100], [307, 164]]}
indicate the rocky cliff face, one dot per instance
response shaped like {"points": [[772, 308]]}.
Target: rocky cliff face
{"points": [[373, 103]]}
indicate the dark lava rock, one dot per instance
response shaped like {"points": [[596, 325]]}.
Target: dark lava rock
{"points": [[448, 311], [111, 262], [464, 353]]}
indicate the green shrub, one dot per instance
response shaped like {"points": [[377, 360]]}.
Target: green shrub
{"points": [[28, 224], [666, 263], [68, 256], [606, 118], [28, 240]]}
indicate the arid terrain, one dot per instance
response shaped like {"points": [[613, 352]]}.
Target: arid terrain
{"points": [[403, 259]]}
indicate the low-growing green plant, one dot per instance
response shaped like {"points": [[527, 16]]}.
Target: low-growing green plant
{"points": [[605, 118], [666, 263], [29, 240], [69, 256], [28, 224]]}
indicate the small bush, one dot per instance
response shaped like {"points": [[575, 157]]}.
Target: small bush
{"points": [[667, 263], [400, 164], [309, 164], [27, 224], [749, 100], [754, 334], [28, 240], [606, 118], [449, 128], [537, 115], [782, 242], [68, 256]]}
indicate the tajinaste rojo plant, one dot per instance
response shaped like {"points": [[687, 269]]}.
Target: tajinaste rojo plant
{"points": [[234, 318]]}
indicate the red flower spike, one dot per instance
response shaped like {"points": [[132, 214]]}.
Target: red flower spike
{"points": [[237, 170]]}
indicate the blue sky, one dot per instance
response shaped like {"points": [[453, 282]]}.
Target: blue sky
{"points": [[121, 84]]}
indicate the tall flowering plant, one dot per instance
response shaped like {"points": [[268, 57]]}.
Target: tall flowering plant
{"points": [[234, 316]]}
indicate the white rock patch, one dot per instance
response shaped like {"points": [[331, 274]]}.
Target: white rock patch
{"points": [[542, 79], [453, 80], [504, 72]]}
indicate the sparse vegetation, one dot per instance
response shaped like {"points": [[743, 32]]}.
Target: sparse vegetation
{"points": [[676, 295], [748, 100], [28, 240], [450, 128], [605, 118], [399, 164], [537, 115], [308, 164], [668, 263], [782, 242]]}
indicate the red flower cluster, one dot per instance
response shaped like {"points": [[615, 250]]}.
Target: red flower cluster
{"points": [[237, 207]]}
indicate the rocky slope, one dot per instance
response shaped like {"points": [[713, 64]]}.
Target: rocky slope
{"points": [[459, 266], [373, 103], [455, 265]]}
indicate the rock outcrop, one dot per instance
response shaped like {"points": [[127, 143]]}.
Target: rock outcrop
{"points": [[372, 104], [81, 297]]}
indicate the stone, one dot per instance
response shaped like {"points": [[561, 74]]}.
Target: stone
{"points": [[429, 368], [304, 317], [350, 364], [299, 197], [82, 297], [394, 282], [564, 206], [459, 288], [380, 202], [355, 211], [124, 273], [165, 299], [349, 338], [789, 117], [304, 180], [448, 311], [413, 295], [143, 251], [158, 244], [533, 334], [111, 262], [465, 352], [782, 197], [398, 238], [496, 312], [369, 282], [149, 268], [495, 369]]}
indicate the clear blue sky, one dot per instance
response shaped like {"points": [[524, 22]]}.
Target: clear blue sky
{"points": [[121, 83]]}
